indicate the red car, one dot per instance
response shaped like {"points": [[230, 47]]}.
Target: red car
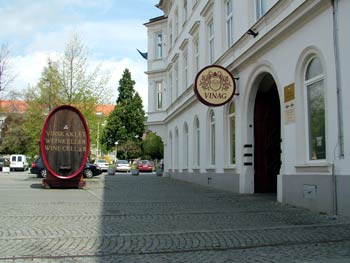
{"points": [[145, 166]]}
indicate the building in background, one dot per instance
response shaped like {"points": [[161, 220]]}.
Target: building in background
{"points": [[286, 130]]}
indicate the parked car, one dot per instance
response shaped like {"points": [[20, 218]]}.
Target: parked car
{"points": [[38, 168], [103, 164], [3, 162], [123, 166], [145, 166], [18, 162], [91, 170]]}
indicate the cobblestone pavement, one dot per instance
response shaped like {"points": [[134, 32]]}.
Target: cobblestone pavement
{"points": [[146, 218]]}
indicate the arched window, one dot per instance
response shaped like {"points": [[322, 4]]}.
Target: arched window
{"points": [[314, 85], [185, 146], [212, 136], [196, 143], [232, 133], [176, 148]]}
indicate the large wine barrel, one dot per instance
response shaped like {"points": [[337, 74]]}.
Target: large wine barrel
{"points": [[65, 143]]}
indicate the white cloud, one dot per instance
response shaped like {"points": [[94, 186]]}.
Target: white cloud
{"points": [[116, 69], [108, 28], [103, 39], [30, 67]]}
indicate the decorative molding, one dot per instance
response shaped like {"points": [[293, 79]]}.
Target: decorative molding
{"points": [[207, 8], [194, 28], [175, 57], [184, 44]]}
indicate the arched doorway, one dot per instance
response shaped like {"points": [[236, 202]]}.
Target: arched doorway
{"points": [[267, 136]]}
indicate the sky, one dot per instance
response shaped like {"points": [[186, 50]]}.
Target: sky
{"points": [[111, 30]]}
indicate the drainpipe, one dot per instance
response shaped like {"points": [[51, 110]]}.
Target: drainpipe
{"points": [[335, 7], [335, 4], [334, 192]]}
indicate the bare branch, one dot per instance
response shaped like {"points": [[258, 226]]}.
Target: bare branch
{"points": [[6, 75]]}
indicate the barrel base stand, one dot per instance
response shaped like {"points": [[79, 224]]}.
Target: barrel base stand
{"points": [[53, 182]]}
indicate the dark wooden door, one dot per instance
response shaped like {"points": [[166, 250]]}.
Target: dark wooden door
{"points": [[267, 139]]}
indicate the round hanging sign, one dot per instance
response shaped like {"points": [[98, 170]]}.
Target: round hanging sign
{"points": [[214, 86]]}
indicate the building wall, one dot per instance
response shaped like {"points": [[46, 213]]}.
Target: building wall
{"points": [[290, 33]]}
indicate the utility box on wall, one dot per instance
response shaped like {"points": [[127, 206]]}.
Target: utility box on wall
{"points": [[64, 147]]}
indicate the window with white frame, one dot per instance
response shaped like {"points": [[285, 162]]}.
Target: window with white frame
{"points": [[212, 136], [314, 85], [211, 41], [229, 23], [176, 146], [176, 76], [260, 8], [159, 95], [185, 11], [185, 57], [197, 143], [196, 55], [159, 45], [232, 133], [185, 146]]}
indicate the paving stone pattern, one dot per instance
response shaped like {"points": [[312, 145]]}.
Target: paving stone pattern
{"points": [[146, 218]]}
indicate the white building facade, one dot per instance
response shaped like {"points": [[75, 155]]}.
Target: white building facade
{"points": [[286, 130]]}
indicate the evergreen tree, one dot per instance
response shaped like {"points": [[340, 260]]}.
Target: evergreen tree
{"points": [[125, 124]]}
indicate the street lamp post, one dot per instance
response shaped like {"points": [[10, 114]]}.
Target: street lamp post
{"points": [[116, 150], [98, 114]]}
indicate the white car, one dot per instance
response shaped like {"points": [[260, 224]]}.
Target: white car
{"points": [[18, 162], [123, 166], [103, 164]]}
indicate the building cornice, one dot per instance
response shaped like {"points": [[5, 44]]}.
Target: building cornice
{"points": [[156, 20], [157, 71]]}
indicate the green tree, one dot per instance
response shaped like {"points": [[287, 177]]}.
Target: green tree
{"points": [[153, 146], [65, 81], [125, 124], [14, 139]]}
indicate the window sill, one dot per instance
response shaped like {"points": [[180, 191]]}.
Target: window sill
{"points": [[230, 169], [314, 167]]}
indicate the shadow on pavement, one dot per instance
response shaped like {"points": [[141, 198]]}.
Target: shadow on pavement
{"points": [[36, 186]]}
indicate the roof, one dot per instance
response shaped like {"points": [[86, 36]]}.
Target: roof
{"points": [[21, 106], [13, 106], [155, 19], [106, 109]]}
